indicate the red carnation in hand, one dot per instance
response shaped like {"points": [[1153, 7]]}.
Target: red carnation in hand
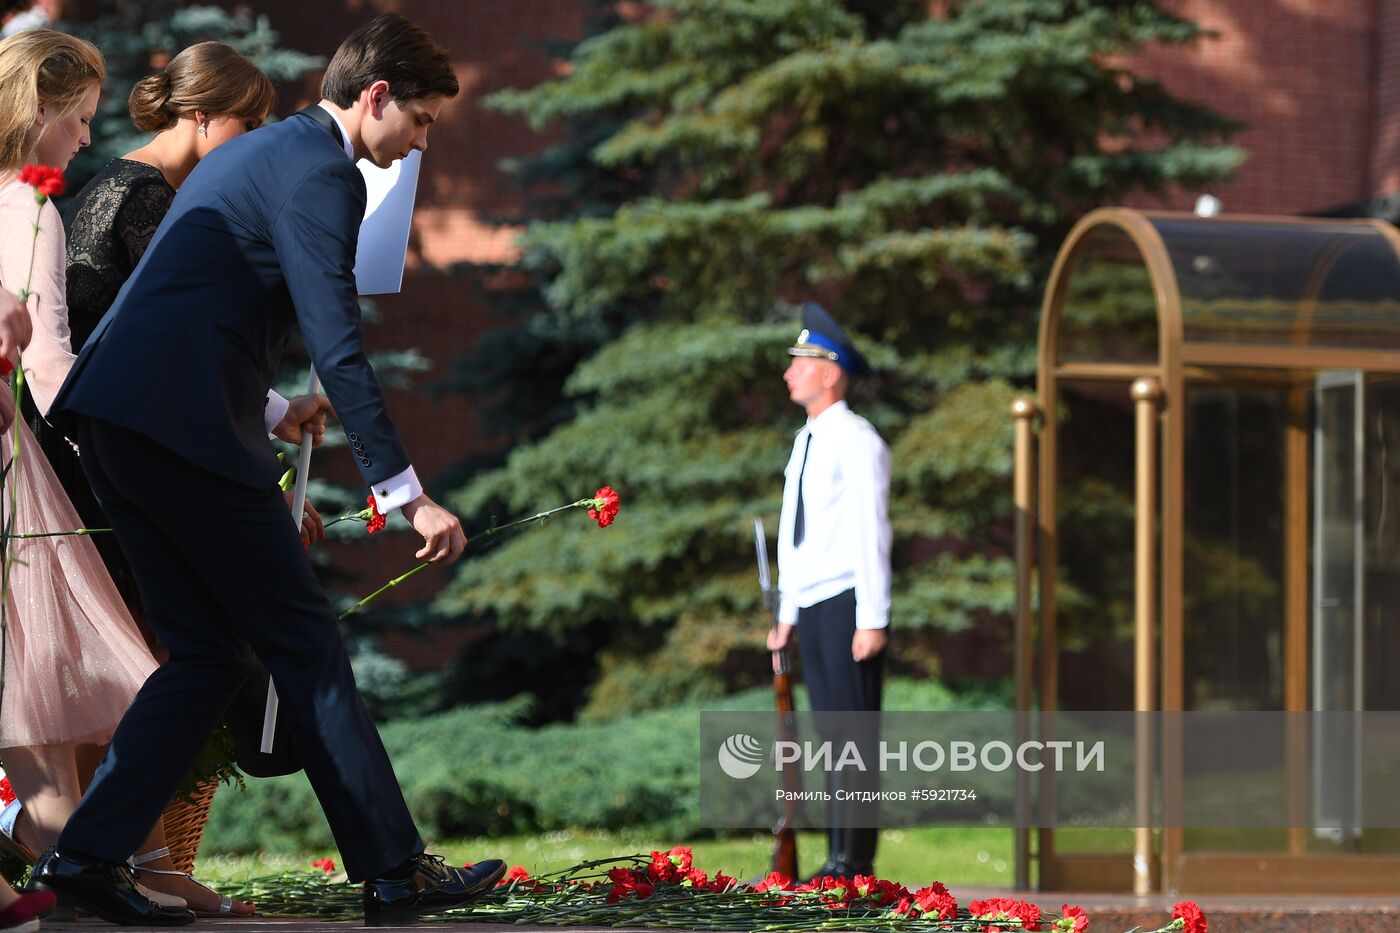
{"points": [[605, 505], [375, 522], [47, 180], [7, 793], [1193, 920], [6, 367], [325, 864]]}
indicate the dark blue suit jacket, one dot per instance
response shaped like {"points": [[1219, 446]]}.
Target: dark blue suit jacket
{"points": [[261, 237]]}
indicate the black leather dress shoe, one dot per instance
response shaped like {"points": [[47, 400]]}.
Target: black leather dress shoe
{"points": [[103, 888], [838, 870], [432, 886]]}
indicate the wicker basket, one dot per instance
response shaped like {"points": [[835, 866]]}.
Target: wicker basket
{"points": [[184, 824]]}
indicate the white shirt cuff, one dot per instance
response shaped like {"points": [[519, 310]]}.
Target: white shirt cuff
{"points": [[274, 410], [870, 620], [396, 491]]}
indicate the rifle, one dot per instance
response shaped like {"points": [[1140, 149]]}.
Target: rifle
{"points": [[784, 838]]}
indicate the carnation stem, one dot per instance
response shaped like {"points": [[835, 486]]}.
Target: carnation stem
{"points": [[56, 534], [493, 530]]}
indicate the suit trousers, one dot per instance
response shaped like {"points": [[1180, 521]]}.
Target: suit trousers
{"points": [[837, 683], [224, 577]]}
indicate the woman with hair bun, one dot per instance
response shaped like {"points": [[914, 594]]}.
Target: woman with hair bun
{"points": [[206, 96]]}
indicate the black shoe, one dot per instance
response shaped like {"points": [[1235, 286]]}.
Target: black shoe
{"points": [[830, 869], [430, 887], [103, 888]]}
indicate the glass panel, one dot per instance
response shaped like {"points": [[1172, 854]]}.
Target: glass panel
{"points": [[1356, 573], [1285, 284], [1110, 310], [1094, 586], [1233, 569], [1337, 592], [1381, 545], [1233, 576]]}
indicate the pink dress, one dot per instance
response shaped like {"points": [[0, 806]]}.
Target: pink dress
{"points": [[74, 658]]}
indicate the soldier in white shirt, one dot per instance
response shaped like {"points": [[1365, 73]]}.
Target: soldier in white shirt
{"points": [[834, 549]]}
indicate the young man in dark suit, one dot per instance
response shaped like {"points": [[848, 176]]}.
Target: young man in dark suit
{"points": [[171, 407]]}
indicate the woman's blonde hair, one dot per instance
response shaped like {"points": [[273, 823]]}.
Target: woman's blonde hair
{"points": [[41, 66], [208, 76]]}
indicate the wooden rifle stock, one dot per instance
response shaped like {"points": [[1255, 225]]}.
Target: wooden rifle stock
{"points": [[784, 837]]}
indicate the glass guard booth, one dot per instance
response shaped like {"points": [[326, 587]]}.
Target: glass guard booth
{"points": [[1218, 519]]}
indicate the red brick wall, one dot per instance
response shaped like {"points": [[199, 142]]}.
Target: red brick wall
{"points": [[1385, 161], [1302, 75]]}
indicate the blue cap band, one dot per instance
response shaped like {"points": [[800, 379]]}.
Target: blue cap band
{"points": [[826, 343]]}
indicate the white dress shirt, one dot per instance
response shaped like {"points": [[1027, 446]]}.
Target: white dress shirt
{"points": [[846, 524]]}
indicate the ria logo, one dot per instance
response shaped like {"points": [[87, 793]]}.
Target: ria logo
{"points": [[741, 756]]}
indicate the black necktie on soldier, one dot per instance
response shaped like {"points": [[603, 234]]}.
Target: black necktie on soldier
{"points": [[799, 525]]}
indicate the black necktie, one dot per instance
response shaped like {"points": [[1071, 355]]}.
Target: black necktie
{"points": [[799, 525]]}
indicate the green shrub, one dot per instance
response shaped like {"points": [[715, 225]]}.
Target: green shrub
{"points": [[473, 771]]}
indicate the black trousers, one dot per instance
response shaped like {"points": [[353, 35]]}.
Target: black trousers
{"points": [[223, 577], [838, 683], [834, 680]]}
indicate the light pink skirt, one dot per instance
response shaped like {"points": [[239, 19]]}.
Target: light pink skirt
{"points": [[74, 658]]}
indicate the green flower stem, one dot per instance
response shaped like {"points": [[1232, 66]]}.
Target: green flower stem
{"points": [[497, 529], [57, 534], [392, 583], [493, 530]]}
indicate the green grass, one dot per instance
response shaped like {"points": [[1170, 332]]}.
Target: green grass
{"points": [[914, 857]]}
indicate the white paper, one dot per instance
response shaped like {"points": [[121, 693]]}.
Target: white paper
{"points": [[388, 218]]}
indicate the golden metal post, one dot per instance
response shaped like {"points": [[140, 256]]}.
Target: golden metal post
{"points": [[1024, 410], [1147, 394]]}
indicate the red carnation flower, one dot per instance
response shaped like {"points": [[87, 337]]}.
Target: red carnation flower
{"points": [[1193, 919], [325, 864], [1026, 916], [6, 367], [722, 882], [776, 881], [517, 876], [1073, 920], [605, 505], [47, 180], [375, 522], [627, 882], [7, 793], [935, 901], [662, 868]]}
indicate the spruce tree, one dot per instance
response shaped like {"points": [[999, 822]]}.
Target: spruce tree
{"points": [[913, 170]]}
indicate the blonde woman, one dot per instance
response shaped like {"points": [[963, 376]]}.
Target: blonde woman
{"points": [[74, 657]]}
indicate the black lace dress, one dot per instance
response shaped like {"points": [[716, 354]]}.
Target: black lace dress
{"points": [[109, 224]]}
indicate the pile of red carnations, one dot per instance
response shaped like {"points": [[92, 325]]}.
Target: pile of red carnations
{"points": [[666, 890]]}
